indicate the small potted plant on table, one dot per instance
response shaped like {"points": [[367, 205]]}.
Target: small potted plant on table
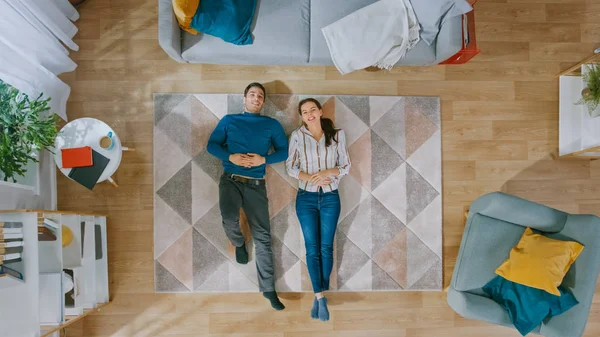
{"points": [[590, 95]]}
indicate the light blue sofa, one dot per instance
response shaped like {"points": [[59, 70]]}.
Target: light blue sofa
{"points": [[288, 32], [495, 224]]}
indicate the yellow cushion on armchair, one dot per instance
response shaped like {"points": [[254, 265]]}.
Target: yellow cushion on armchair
{"points": [[540, 262], [184, 12]]}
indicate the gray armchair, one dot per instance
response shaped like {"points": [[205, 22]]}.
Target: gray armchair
{"points": [[494, 225]]}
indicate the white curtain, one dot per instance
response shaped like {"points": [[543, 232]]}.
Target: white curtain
{"points": [[35, 38]]}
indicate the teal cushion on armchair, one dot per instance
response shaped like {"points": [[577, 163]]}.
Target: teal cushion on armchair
{"points": [[229, 20], [527, 307]]}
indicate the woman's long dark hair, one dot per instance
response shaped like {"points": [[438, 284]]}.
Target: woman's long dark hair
{"points": [[326, 124]]}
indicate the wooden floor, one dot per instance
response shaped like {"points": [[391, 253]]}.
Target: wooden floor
{"points": [[500, 129]]}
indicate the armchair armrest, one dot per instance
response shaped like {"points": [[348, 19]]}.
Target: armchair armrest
{"points": [[169, 33], [519, 211]]}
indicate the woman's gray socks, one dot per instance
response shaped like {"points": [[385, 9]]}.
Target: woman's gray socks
{"points": [[314, 312], [323, 311]]}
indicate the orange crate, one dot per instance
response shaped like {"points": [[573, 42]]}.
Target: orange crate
{"points": [[468, 51]]}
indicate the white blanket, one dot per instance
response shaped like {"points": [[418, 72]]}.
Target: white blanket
{"points": [[376, 35]]}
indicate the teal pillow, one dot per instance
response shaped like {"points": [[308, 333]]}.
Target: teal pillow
{"points": [[527, 307], [229, 20]]}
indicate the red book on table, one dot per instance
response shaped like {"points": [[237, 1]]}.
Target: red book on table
{"points": [[76, 157]]}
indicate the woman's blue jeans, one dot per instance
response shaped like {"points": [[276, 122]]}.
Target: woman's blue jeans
{"points": [[318, 213]]}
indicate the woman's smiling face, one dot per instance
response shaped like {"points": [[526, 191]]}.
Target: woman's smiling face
{"points": [[311, 114]]}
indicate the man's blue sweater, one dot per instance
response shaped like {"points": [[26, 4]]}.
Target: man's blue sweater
{"points": [[248, 133]]}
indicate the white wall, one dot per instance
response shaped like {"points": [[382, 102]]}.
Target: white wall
{"points": [[12, 197]]}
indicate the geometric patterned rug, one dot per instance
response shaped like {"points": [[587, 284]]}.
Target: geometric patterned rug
{"points": [[389, 237]]}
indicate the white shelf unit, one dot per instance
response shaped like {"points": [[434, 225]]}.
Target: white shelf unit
{"points": [[579, 131], [37, 306]]}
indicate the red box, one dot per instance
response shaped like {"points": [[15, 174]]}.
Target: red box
{"points": [[76, 157], [468, 51]]}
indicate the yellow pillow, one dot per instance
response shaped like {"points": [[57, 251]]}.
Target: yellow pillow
{"points": [[540, 262], [184, 12]]}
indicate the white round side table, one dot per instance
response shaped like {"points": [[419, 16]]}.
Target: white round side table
{"points": [[88, 132]]}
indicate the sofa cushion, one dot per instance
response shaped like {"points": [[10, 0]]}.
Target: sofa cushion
{"points": [[326, 12], [540, 262], [486, 243], [184, 11], [281, 36]]}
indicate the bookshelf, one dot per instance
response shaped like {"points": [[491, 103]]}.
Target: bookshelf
{"points": [[579, 129], [37, 305]]}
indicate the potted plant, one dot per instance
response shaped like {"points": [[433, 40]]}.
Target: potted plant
{"points": [[26, 128], [590, 95]]}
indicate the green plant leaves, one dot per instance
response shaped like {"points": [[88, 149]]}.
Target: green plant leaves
{"points": [[592, 80], [24, 130]]}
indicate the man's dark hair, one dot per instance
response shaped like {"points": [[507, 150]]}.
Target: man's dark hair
{"points": [[257, 85]]}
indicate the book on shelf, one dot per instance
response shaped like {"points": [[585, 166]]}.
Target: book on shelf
{"points": [[7, 237], [10, 258], [11, 230], [11, 250], [9, 244], [11, 224], [4, 270]]}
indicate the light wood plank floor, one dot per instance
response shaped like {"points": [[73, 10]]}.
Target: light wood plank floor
{"points": [[500, 129]]}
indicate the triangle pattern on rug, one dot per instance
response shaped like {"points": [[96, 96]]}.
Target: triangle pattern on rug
{"points": [[168, 226], [418, 129], [383, 281], [386, 226], [286, 227], [427, 225], [360, 155], [216, 103], [431, 280], [164, 281], [282, 171], [362, 280], [210, 164], [240, 282], [205, 193], [357, 226], [392, 193], [419, 193], [350, 259], [392, 258], [164, 104], [177, 125], [391, 128], [427, 160], [283, 257], [210, 226], [209, 265], [351, 194], [235, 104], [419, 259], [347, 120], [279, 192], [291, 279], [203, 123], [168, 158], [379, 105], [177, 192], [384, 160], [428, 106], [177, 259], [359, 105]]}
